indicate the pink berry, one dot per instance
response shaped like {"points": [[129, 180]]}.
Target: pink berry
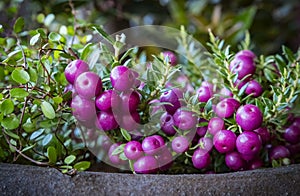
{"points": [[204, 94], [201, 159], [74, 69], [122, 78], [167, 124], [108, 99], [106, 121], [234, 161], [254, 88], [171, 56], [249, 117], [133, 150], [224, 141], [146, 165], [248, 143], [83, 109], [184, 119], [180, 144], [243, 66], [88, 85], [215, 124]]}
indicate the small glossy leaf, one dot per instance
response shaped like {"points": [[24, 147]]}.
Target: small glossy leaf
{"points": [[103, 34], [119, 149], [35, 39], [28, 126], [47, 139], [10, 123], [20, 76], [55, 37], [69, 159], [48, 110], [125, 134], [52, 156], [57, 100], [7, 106], [18, 93], [36, 134], [83, 165], [12, 135], [49, 19], [19, 25]]}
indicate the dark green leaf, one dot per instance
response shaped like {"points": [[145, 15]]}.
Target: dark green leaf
{"points": [[12, 135], [7, 106], [19, 25], [69, 159], [82, 166], [20, 76], [48, 110], [52, 156], [18, 93]]}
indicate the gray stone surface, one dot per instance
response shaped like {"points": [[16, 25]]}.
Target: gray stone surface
{"points": [[32, 180]]}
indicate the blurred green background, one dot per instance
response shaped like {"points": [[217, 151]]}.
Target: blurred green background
{"points": [[270, 23]]}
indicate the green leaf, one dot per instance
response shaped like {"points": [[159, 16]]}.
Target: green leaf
{"points": [[49, 19], [288, 54], [35, 39], [20, 76], [83, 165], [7, 106], [19, 25], [51, 152], [103, 33], [33, 75], [57, 100], [12, 135], [86, 51], [69, 159], [119, 149], [47, 139], [55, 37], [10, 123], [28, 126], [48, 110], [18, 93], [36, 134], [125, 134]]}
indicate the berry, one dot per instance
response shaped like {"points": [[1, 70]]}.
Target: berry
{"points": [[249, 117], [133, 150], [184, 119], [172, 97], [108, 99], [167, 123], [115, 159], [180, 144], [264, 134], [201, 130], [146, 165], [209, 85], [129, 122], [243, 66], [200, 158], [225, 92], [292, 134], [171, 57], [215, 124], [164, 159], [224, 141], [204, 93], [83, 109], [122, 78], [255, 164], [224, 109], [74, 69], [206, 143], [240, 83], [105, 142], [254, 88], [106, 121], [234, 161], [130, 101], [247, 53], [151, 145], [88, 85], [248, 143], [279, 152]]}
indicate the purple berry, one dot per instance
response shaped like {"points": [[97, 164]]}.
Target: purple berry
{"points": [[243, 66], [264, 134], [180, 144], [279, 152], [215, 124], [201, 130], [130, 101], [115, 159], [204, 93], [151, 145], [225, 92], [249, 117], [234, 161], [164, 159], [292, 134], [248, 143], [83, 109], [224, 141], [108, 99], [206, 143], [224, 109], [122, 78], [106, 121], [255, 164], [129, 121], [146, 165], [254, 88], [88, 85], [74, 69], [172, 97], [247, 53], [200, 159], [184, 119], [167, 124], [240, 83], [133, 150], [171, 57]]}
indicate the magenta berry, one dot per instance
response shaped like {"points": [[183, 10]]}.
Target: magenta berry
{"points": [[254, 88], [115, 159], [151, 145], [264, 134], [106, 121], [249, 117], [248, 143], [129, 121], [129, 101], [225, 92], [202, 129], [255, 164], [279, 152], [224, 109], [133, 150], [215, 124], [184, 119], [88, 85], [171, 57], [243, 66], [204, 94], [164, 159], [173, 97], [292, 134], [247, 53], [146, 165], [180, 144], [206, 143], [167, 124], [74, 69], [83, 109], [201, 159], [122, 78], [240, 83], [234, 161], [224, 141], [107, 99]]}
